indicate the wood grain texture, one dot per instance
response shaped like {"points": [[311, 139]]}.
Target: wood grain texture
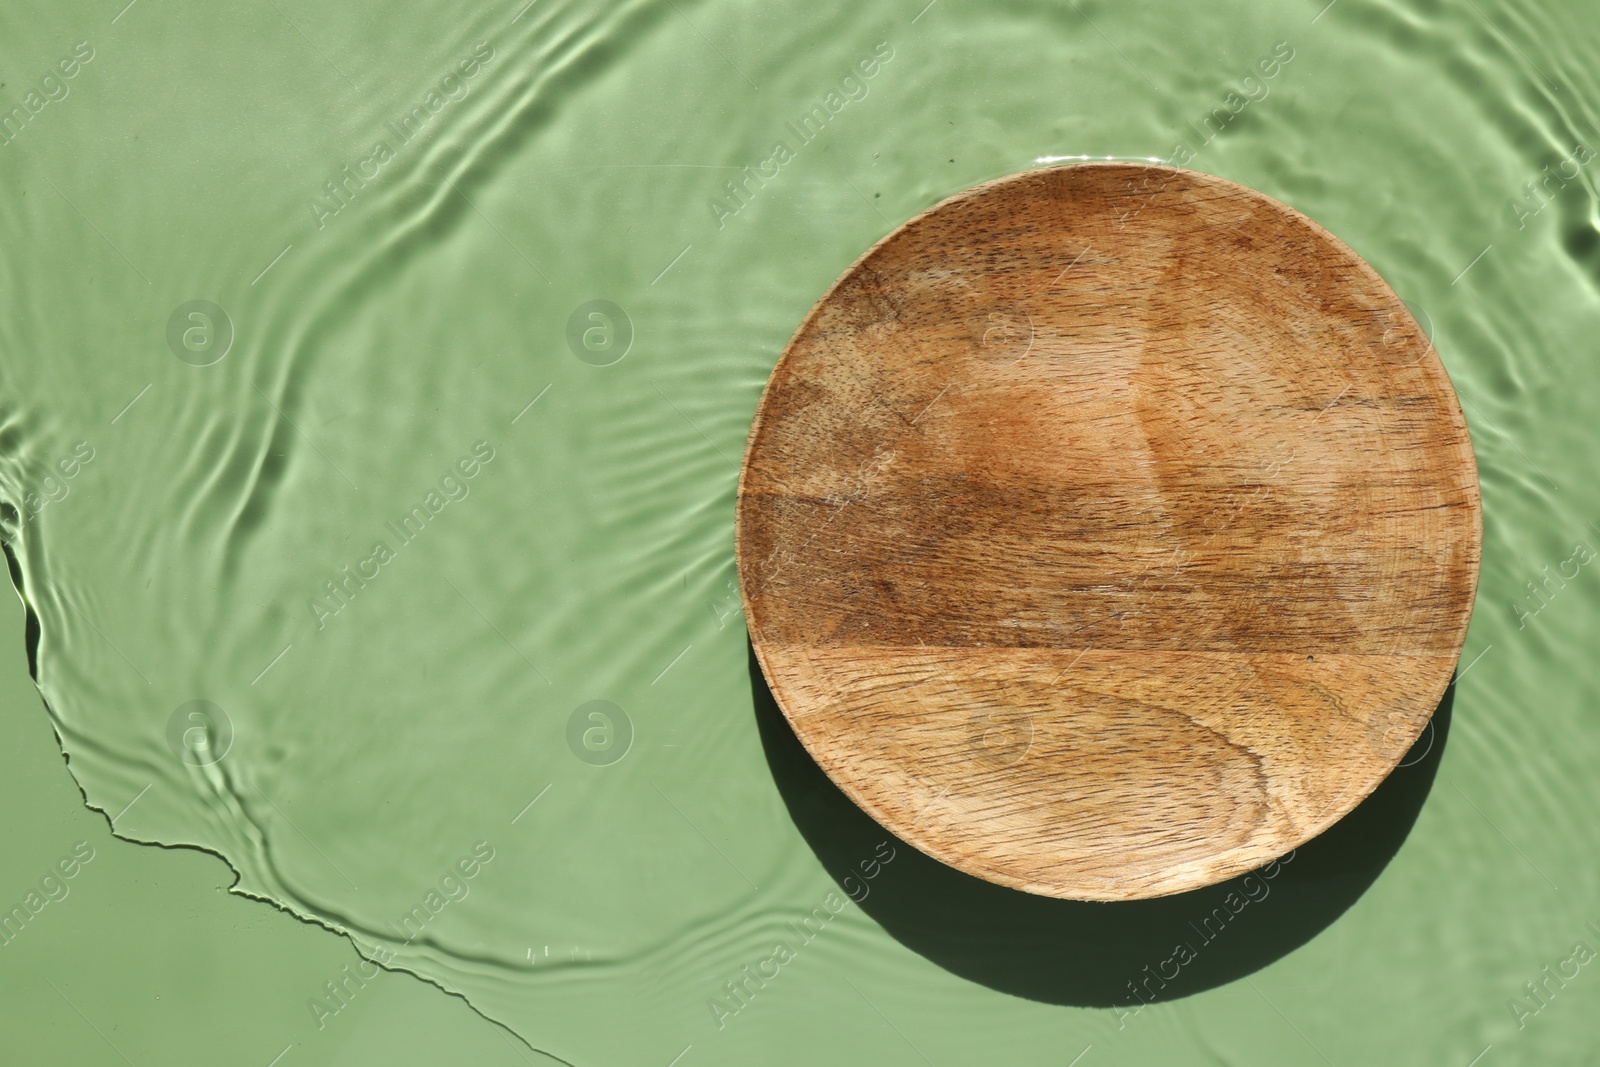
{"points": [[1108, 531]]}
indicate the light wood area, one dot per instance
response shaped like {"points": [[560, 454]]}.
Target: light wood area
{"points": [[1108, 530]]}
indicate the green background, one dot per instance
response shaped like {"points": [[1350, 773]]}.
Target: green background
{"points": [[425, 346]]}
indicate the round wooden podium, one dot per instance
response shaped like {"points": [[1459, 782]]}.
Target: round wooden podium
{"points": [[1108, 530]]}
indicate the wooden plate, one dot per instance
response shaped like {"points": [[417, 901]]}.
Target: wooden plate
{"points": [[1108, 530]]}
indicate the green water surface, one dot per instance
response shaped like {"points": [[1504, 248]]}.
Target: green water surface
{"points": [[373, 381]]}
